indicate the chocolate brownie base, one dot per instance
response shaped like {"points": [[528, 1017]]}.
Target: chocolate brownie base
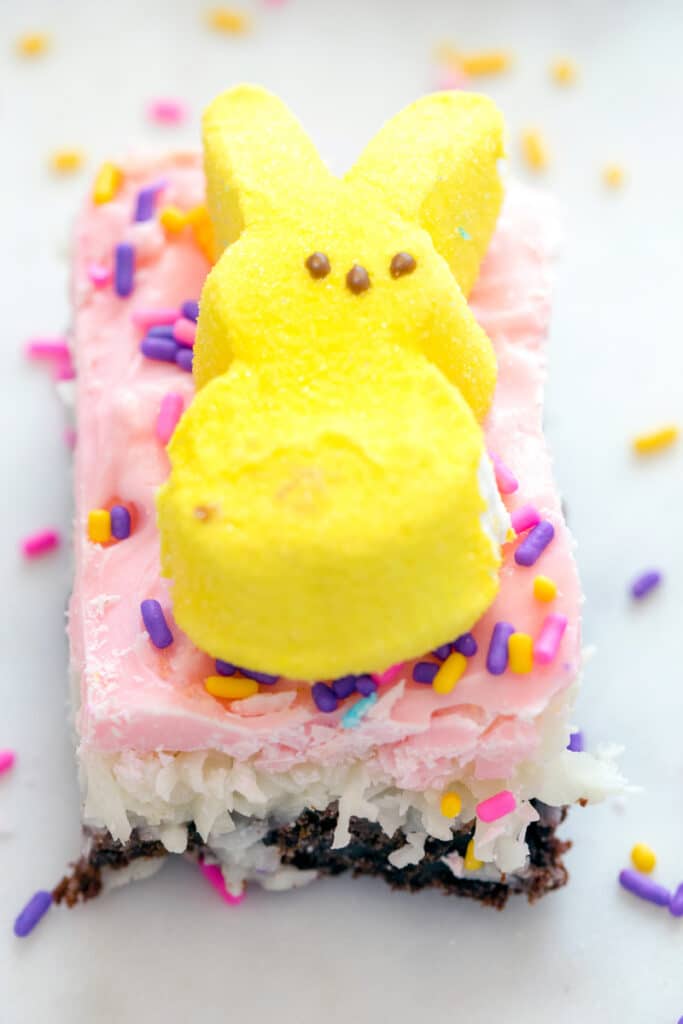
{"points": [[307, 844]]}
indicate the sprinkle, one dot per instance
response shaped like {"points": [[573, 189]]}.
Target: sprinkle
{"points": [[497, 806], [166, 110], [486, 62], [344, 687], [563, 71], [497, 657], [655, 440], [35, 909], [99, 274], [163, 350], [155, 623], [40, 543], [230, 688], [154, 317], [228, 20], [190, 309], [47, 348], [505, 478], [202, 232], [170, 411], [646, 582], [451, 804], [225, 668], [120, 522], [390, 674], [545, 589], [366, 685], [472, 863], [108, 181], [466, 644], [66, 161], [676, 908], [214, 876], [173, 220], [184, 358], [464, 234], [644, 887], [442, 652], [161, 331], [259, 677], [124, 268], [145, 203], [324, 698], [535, 543], [449, 673], [524, 518], [643, 858], [99, 525], [425, 672], [548, 641], [33, 44], [353, 716], [7, 759], [575, 742], [534, 150], [185, 331], [613, 175], [64, 368], [520, 653]]}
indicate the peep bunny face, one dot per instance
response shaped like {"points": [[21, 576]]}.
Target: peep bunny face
{"points": [[330, 507]]}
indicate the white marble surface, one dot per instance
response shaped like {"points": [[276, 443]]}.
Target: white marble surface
{"points": [[166, 950]]}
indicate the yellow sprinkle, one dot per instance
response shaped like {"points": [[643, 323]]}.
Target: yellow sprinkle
{"points": [[472, 862], [563, 71], [545, 589], [643, 858], [231, 687], [655, 440], [534, 149], [66, 161], [485, 62], [33, 44], [450, 672], [510, 536], [520, 653], [107, 183], [225, 19], [613, 175], [99, 525], [173, 219], [451, 805]]}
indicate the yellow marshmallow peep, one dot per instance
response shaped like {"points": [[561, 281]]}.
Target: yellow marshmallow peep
{"points": [[330, 507]]}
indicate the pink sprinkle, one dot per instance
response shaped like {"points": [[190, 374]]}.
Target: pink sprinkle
{"points": [[185, 331], [64, 368], [548, 642], [40, 543], [170, 411], [99, 274], [496, 806], [524, 518], [153, 317], [505, 478], [47, 348], [389, 674], [166, 110], [7, 759], [214, 876], [70, 438]]}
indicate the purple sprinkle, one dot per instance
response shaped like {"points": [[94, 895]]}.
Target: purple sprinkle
{"points": [[644, 887], [146, 201], [535, 543], [37, 907], [466, 645], [324, 697], [190, 309], [155, 623], [344, 687], [225, 668], [120, 521], [676, 905], [575, 742], [259, 677], [160, 331], [497, 657], [366, 685], [184, 358], [442, 652], [163, 350], [124, 268], [425, 672], [645, 583]]}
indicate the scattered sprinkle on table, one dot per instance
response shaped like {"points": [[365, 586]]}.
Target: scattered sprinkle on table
{"points": [[644, 887], [228, 20], [355, 714], [476, 62], [534, 149], [497, 806], [66, 161], [7, 759], [230, 687], [33, 44], [497, 657], [35, 909], [645, 583], [108, 181], [643, 858], [655, 440], [166, 110], [535, 543], [545, 589], [563, 71], [451, 804], [449, 673], [155, 623], [214, 876], [520, 653], [613, 175], [47, 348], [575, 742], [547, 643], [39, 543], [99, 525]]}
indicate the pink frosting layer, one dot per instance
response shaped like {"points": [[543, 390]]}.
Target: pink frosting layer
{"points": [[136, 697]]}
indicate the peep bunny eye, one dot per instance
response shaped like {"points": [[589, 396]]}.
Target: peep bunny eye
{"points": [[318, 265], [357, 279], [402, 263]]}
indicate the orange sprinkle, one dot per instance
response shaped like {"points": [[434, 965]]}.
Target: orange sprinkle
{"points": [[228, 20], [563, 71], [534, 150], [655, 440], [478, 62], [613, 175], [33, 44], [66, 161]]}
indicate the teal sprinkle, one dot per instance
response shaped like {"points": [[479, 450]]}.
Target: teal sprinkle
{"points": [[465, 234], [352, 717]]}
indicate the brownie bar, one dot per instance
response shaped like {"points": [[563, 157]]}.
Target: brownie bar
{"points": [[306, 844]]}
